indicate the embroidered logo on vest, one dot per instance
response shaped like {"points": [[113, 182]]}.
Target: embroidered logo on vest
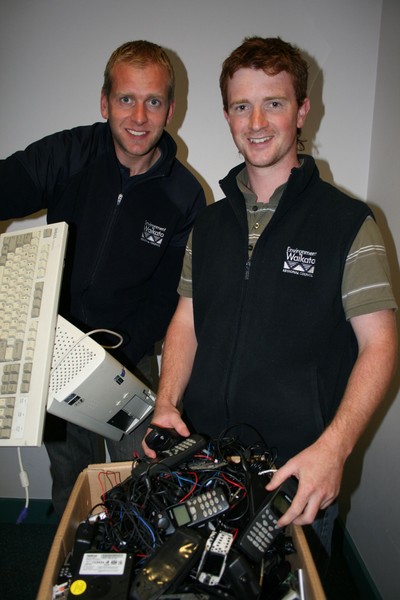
{"points": [[299, 262], [153, 234]]}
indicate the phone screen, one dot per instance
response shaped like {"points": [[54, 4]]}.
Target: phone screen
{"points": [[280, 504], [180, 515], [213, 564]]}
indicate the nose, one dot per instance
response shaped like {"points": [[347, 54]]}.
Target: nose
{"points": [[258, 118], [139, 114]]}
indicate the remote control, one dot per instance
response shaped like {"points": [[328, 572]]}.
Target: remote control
{"points": [[162, 438], [174, 457]]}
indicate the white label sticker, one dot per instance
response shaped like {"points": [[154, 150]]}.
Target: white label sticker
{"points": [[109, 563]]}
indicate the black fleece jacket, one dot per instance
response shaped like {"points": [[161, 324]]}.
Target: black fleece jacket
{"points": [[274, 347], [127, 235]]}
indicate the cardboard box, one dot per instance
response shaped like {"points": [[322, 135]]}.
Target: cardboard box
{"points": [[89, 487]]}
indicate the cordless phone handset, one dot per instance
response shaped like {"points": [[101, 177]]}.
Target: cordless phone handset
{"points": [[262, 530]]}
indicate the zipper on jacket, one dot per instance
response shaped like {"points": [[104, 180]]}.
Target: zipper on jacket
{"points": [[101, 250], [247, 269], [242, 304]]}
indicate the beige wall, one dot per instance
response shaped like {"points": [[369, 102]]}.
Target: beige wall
{"points": [[373, 474], [52, 56]]}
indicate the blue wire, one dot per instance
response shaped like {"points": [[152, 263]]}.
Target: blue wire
{"points": [[144, 523], [180, 478]]}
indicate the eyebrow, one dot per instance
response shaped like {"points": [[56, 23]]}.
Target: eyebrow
{"points": [[265, 99], [242, 101], [150, 95]]}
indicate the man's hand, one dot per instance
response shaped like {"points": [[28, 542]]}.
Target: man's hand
{"points": [[166, 416], [176, 366], [319, 470]]}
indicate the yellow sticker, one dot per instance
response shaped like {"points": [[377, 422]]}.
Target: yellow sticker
{"points": [[78, 587]]}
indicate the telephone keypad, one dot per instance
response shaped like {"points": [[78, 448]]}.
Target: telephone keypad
{"points": [[207, 505]]}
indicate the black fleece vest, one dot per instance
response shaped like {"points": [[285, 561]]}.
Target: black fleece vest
{"points": [[274, 348]]}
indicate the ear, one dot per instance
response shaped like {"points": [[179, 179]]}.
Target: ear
{"points": [[303, 112], [170, 112], [227, 118], [104, 105]]}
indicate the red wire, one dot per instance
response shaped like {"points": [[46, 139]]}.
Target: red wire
{"points": [[193, 487], [235, 483]]}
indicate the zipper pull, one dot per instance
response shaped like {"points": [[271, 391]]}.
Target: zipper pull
{"points": [[119, 199], [247, 269]]}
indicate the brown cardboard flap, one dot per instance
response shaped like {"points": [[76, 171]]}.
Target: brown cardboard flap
{"points": [[89, 487]]}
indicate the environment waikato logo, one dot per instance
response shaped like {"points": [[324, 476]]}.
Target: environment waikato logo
{"points": [[299, 262], [153, 234]]}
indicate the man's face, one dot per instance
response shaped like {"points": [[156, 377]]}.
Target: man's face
{"points": [[263, 117], [137, 110]]}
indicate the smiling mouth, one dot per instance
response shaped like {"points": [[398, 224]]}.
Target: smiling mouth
{"points": [[136, 133], [260, 140]]}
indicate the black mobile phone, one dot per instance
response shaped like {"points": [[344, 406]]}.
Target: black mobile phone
{"points": [[169, 566], [261, 531], [172, 457], [194, 511], [162, 438]]}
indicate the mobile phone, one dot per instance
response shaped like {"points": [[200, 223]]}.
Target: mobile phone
{"points": [[194, 511], [243, 575], [173, 457], [169, 566], [162, 438], [262, 530], [213, 560]]}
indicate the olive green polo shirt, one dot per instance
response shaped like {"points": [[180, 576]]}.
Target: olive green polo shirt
{"points": [[366, 286]]}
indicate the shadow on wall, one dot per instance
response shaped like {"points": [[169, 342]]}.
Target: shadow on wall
{"points": [[181, 97], [316, 114]]}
